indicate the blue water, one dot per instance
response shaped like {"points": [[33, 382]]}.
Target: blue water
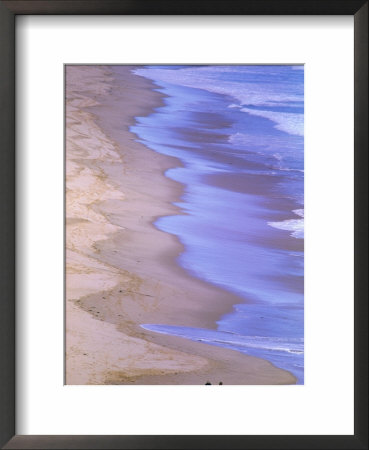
{"points": [[238, 131]]}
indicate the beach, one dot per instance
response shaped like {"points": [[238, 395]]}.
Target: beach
{"points": [[121, 270]]}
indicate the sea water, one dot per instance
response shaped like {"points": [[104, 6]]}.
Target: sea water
{"points": [[238, 131]]}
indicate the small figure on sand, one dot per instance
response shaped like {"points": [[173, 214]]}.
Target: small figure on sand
{"points": [[208, 382]]}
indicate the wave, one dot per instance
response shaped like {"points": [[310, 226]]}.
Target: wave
{"points": [[290, 123], [294, 225], [262, 86], [239, 342], [280, 147]]}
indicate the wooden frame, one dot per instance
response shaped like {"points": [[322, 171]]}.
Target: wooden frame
{"points": [[8, 11]]}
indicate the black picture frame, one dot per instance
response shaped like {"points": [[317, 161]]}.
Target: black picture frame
{"points": [[8, 11]]}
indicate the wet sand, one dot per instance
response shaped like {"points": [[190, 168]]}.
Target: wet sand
{"points": [[120, 269]]}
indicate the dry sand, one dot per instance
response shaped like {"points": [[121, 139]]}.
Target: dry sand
{"points": [[121, 270]]}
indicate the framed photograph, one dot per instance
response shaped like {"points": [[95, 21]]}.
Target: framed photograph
{"points": [[184, 232]]}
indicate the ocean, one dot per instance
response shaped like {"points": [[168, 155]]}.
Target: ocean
{"points": [[239, 133]]}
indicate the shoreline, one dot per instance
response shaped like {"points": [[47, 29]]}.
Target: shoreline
{"points": [[110, 292]]}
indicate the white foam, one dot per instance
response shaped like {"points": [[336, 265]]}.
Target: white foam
{"points": [[290, 123], [299, 212], [294, 225]]}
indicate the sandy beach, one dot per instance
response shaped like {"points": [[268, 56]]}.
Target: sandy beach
{"points": [[121, 270]]}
